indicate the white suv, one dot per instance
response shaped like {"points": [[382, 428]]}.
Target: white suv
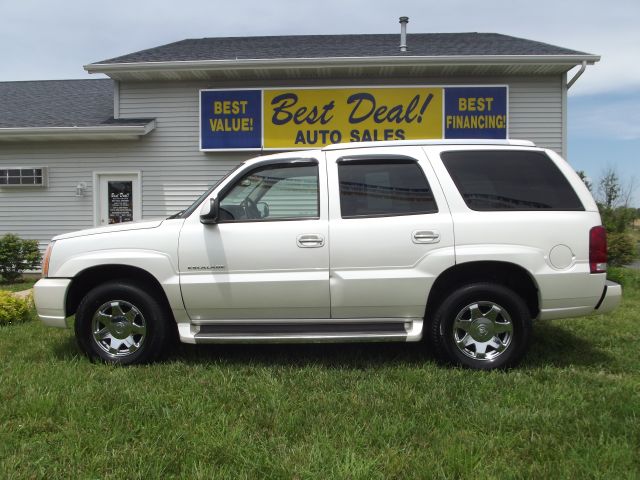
{"points": [[461, 242]]}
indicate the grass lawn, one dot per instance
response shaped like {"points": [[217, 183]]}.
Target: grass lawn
{"points": [[18, 286], [572, 410]]}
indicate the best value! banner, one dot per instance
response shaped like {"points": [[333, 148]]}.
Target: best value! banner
{"points": [[281, 119]]}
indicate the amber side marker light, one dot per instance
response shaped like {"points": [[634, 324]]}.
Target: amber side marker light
{"points": [[45, 262]]}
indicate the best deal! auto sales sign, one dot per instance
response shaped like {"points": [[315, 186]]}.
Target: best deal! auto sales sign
{"points": [[299, 118]]}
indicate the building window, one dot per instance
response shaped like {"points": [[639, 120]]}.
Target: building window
{"points": [[23, 177]]}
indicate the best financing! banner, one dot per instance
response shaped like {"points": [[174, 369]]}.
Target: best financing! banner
{"points": [[298, 118]]}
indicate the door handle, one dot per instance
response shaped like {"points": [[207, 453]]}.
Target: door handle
{"points": [[310, 240], [425, 236]]}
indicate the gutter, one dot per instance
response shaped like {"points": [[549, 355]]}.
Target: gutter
{"points": [[96, 131], [405, 60]]}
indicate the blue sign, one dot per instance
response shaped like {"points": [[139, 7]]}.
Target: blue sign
{"points": [[475, 112], [230, 119]]}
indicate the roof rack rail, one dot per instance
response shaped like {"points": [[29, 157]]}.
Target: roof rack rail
{"points": [[467, 141]]}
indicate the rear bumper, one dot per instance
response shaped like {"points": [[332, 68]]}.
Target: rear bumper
{"points": [[49, 295], [608, 301], [610, 298]]}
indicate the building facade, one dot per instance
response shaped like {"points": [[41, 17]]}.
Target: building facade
{"points": [[170, 121]]}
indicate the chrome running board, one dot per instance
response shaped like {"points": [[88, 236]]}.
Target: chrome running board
{"points": [[303, 330]]}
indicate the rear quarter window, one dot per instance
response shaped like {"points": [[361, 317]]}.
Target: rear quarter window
{"points": [[505, 180]]}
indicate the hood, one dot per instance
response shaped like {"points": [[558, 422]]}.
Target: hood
{"points": [[120, 227]]}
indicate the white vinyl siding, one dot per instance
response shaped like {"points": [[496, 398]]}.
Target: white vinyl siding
{"points": [[175, 172], [293, 198]]}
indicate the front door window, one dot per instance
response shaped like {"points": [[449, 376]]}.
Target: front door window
{"points": [[276, 192]]}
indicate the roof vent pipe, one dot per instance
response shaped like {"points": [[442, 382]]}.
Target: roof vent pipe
{"points": [[403, 33]]}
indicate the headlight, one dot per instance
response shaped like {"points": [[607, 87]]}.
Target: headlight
{"points": [[45, 262]]}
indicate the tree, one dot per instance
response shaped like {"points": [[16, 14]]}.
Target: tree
{"points": [[586, 180], [609, 188], [617, 217]]}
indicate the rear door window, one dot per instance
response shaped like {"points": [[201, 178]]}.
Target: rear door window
{"points": [[510, 180], [383, 187]]}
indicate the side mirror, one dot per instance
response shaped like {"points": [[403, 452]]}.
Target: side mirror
{"points": [[209, 212]]}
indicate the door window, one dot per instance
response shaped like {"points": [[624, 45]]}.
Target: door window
{"points": [[120, 201], [383, 187], [275, 192]]}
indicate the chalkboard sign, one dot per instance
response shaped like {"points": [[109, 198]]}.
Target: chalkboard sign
{"points": [[120, 201]]}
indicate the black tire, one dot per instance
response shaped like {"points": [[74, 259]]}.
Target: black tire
{"points": [[483, 326], [120, 323]]}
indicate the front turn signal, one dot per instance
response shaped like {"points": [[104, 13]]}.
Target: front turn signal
{"points": [[45, 262]]}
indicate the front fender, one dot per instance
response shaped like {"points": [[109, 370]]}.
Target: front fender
{"points": [[159, 265]]}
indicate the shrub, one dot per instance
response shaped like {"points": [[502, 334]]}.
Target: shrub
{"points": [[622, 249], [617, 220], [17, 255], [14, 309], [627, 277]]}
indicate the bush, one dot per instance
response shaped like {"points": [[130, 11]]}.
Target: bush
{"points": [[14, 309], [622, 249], [627, 277], [617, 220], [17, 255]]}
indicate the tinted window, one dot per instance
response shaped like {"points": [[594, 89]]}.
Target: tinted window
{"points": [[286, 191], [510, 180], [383, 187]]}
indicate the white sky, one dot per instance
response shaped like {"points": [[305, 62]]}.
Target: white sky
{"points": [[53, 39]]}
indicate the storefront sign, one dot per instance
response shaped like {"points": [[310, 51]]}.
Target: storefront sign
{"points": [[230, 119], [475, 112], [281, 119]]}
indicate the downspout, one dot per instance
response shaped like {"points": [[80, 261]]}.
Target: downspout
{"points": [[577, 75]]}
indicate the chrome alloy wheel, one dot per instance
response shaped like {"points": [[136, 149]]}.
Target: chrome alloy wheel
{"points": [[482, 330], [118, 328]]}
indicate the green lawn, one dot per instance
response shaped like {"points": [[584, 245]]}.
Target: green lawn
{"points": [[572, 410], [18, 286]]}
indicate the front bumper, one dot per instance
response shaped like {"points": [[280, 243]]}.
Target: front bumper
{"points": [[610, 298], [49, 295]]}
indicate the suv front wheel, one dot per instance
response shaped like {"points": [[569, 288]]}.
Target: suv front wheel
{"points": [[483, 326], [118, 322]]}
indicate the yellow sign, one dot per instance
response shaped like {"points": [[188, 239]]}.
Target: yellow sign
{"points": [[310, 118]]}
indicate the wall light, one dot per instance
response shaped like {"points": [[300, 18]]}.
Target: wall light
{"points": [[81, 188]]}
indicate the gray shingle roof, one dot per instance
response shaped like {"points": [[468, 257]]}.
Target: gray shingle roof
{"points": [[59, 103], [336, 46]]}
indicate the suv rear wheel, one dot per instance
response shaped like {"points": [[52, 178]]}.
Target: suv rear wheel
{"points": [[118, 322], [482, 326]]}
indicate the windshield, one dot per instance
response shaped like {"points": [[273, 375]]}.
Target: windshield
{"points": [[185, 213]]}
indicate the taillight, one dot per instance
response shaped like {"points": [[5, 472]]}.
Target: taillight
{"points": [[45, 261], [598, 249]]}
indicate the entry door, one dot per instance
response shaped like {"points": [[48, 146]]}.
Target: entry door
{"points": [[118, 198]]}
